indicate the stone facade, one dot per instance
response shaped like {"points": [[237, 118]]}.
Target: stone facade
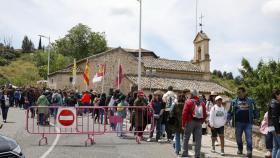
{"points": [[258, 138], [195, 74]]}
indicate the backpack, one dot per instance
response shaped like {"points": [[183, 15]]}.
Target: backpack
{"points": [[7, 102], [197, 111], [55, 98]]}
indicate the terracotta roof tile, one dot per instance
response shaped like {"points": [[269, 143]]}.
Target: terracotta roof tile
{"points": [[165, 64], [178, 84]]}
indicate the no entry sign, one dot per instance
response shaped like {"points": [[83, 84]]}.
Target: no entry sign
{"points": [[66, 117]]}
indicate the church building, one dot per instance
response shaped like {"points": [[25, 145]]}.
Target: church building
{"points": [[157, 73]]}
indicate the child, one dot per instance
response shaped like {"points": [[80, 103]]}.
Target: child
{"points": [[217, 120], [264, 129]]}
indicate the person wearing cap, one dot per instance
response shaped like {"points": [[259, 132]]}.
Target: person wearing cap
{"points": [[193, 115], [140, 123], [209, 104], [158, 107], [217, 121], [243, 113]]}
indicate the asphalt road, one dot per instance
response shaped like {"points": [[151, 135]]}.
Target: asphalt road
{"points": [[107, 146], [73, 146]]}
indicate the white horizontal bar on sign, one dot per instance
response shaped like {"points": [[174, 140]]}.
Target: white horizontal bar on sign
{"points": [[66, 118]]}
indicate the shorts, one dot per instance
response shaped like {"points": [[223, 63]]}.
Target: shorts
{"points": [[217, 131]]}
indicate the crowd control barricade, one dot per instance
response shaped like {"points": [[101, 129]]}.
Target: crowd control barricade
{"points": [[89, 120]]}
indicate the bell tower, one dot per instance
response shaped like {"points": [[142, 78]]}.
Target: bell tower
{"points": [[201, 51]]}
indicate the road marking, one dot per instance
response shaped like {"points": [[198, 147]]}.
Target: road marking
{"points": [[53, 144]]}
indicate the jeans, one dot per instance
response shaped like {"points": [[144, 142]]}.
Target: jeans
{"points": [[5, 112], [158, 129], [269, 141], [101, 112], [86, 109], [276, 146], [42, 119], [177, 142], [196, 127], [119, 127], [247, 129]]}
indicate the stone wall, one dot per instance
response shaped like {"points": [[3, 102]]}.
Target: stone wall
{"points": [[258, 138]]}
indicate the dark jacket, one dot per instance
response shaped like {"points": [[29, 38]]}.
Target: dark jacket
{"points": [[274, 115], [177, 113]]}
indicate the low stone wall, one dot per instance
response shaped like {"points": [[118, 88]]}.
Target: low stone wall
{"points": [[258, 138]]}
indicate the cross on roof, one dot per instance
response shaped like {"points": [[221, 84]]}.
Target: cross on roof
{"points": [[200, 24]]}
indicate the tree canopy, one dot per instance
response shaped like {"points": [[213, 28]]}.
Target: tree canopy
{"points": [[27, 45], [261, 81], [81, 42]]}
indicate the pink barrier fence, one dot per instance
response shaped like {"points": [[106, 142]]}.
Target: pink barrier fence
{"points": [[89, 120]]}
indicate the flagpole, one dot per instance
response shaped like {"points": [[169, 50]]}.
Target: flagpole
{"points": [[139, 54], [119, 74], [74, 74], [103, 75], [86, 83]]}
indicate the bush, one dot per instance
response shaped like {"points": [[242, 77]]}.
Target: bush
{"points": [[8, 55], [3, 61]]}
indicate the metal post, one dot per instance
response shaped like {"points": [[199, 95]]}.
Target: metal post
{"points": [[139, 55], [49, 56]]}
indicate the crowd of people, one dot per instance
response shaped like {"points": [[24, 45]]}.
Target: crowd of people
{"points": [[177, 115]]}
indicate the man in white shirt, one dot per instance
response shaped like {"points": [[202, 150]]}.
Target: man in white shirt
{"points": [[217, 120]]}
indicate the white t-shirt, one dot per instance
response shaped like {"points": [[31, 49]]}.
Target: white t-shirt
{"points": [[218, 116]]}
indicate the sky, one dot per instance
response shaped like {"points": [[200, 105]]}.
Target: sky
{"points": [[237, 28]]}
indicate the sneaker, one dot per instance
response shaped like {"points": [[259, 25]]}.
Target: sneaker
{"points": [[222, 152], [217, 143], [213, 150], [239, 152], [161, 140], [184, 156], [249, 154], [1, 126], [149, 140]]}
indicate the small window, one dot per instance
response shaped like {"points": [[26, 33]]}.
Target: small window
{"points": [[52, 80], [199, 53]]}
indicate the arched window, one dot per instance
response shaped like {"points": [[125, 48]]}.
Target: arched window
{"points": [[199, 53]]}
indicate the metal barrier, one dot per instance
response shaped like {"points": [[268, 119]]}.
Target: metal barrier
{"points": [[89, 120]]}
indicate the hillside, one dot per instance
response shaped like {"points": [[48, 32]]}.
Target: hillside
{"points": [[20, 72]]}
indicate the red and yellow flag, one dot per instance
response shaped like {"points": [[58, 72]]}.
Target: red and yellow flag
{"points": [[101, 70], [86, 74]]}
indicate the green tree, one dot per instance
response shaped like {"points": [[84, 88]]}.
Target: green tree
{"points": [[40, 44], [81, 42], [261, 81], [57, 62], [27, 45]]}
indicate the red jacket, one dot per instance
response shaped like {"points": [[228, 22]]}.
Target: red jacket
{"points": [[187, 114], [85, 98]]}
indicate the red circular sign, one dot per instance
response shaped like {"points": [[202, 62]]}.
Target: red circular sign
{"points": [[66, 117]]}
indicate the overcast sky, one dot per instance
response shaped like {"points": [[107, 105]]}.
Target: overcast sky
{"points": [[237, 28]]}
